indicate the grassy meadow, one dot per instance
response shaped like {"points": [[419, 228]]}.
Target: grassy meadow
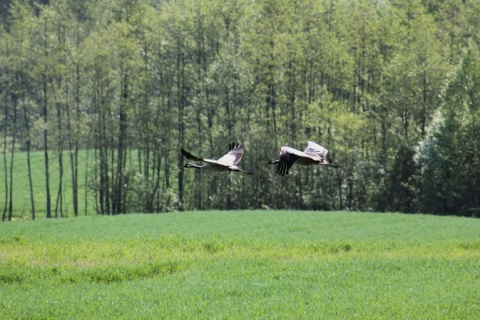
{"points": [[241, 265], [21, 188]]}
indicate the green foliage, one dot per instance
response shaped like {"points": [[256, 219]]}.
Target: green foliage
{"points": [[450, 154], [241, 264], [134, 80]]}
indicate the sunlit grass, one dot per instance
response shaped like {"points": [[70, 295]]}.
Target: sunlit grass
{"points": [[242, 264]]}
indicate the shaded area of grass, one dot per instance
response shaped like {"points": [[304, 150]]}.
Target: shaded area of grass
{"points": [[89, 274], [242, 264]]}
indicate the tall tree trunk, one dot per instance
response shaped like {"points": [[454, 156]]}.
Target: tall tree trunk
{"points": [[28, 143], [5, 134], [59, 201], [44, 115], [45, 148], [73, 142], [105, 181], [181, 127], [29, 165], [120, 193], [14, 136], [85, 195]]}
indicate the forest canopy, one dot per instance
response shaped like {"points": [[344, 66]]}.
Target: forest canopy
{"points": [[390, 87]]}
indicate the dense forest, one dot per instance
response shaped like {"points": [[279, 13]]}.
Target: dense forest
{"points": [[390, 87]]}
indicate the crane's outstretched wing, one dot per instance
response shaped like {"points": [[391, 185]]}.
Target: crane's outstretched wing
{"points": [[315, 148], [233, 156], [288, 156]]}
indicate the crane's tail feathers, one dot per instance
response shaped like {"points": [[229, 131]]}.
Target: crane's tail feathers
{"points": [[329, 159], [242, 171]]}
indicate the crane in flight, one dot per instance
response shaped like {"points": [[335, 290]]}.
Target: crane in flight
{"points": [[314, 154], [228, 162]]}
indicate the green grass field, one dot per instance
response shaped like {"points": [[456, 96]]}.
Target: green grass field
{"points": [[241, 265], [21, 188]]}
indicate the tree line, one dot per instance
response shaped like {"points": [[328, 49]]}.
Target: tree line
{"points": [[390, 87]]}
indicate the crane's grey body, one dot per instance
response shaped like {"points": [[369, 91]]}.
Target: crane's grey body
{"points": [[314, 154], [229, 162]]}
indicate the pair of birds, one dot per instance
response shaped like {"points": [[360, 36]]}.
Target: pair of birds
{"points": [[314, 154]]}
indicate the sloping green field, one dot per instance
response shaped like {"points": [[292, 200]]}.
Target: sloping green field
{"points": [[241, 265]]}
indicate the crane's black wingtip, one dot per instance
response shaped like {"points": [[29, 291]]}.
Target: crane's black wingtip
{"points": [[186, 153], [234, 146]]}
